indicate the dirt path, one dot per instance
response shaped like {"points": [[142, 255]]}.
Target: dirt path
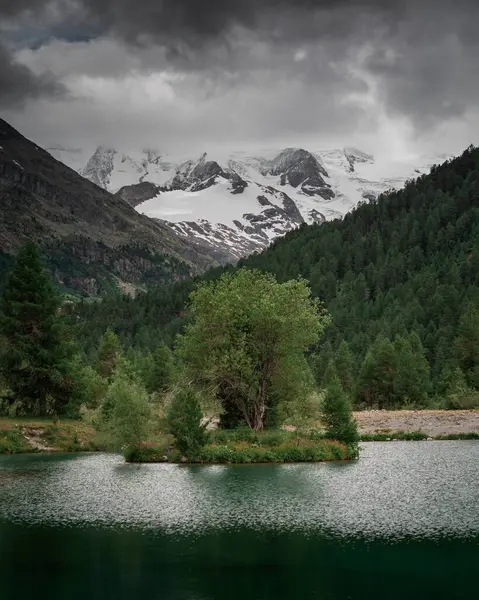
{"points": [[431, 422], [34, 438]]}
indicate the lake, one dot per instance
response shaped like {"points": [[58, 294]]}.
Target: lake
{"points": [[401, 523]]}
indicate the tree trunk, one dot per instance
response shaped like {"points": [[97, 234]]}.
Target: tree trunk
{"points": [[260, 406]]}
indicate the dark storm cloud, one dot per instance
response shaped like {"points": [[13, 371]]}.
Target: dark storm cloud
{"points": [[422, 53], [18, 83]]}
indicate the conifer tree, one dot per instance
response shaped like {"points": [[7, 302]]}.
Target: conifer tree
{"points": [[467, 343], [344, 363], [108, 353], [411, 382], [160, 376], [377, 375], [35, 361], [337, 415]]}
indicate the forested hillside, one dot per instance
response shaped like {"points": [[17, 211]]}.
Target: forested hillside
{"points": [[399, 276]]}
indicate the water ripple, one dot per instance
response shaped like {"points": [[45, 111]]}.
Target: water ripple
{"points": [[402, 489]]}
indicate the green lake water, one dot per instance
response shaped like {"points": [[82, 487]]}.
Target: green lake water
{"points": [[401, 523]]}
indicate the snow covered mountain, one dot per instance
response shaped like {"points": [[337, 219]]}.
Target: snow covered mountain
{"points": [[238, 203]]}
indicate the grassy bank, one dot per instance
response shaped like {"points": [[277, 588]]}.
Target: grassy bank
{"points": [[22, 435], [247, 447]]}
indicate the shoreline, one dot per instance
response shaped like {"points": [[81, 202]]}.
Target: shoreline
{"points": [[32, 435]]}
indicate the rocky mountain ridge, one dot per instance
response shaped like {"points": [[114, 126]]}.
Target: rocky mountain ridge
{"points": [[237, 203]]}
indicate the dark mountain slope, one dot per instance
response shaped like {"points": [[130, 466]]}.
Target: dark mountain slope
{"points": [[90, 237]]}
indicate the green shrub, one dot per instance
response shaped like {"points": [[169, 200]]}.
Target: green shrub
{"points": [[147, 453], [184, 418], [316, 434], [53, 434], [280, 454], [459, 436], [128, 413], [394, 435], [144, 454], [269, 438], [12, 441]]}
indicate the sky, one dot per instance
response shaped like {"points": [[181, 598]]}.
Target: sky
{"points": [[396, 78]]}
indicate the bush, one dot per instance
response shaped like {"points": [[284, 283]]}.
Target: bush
{"points": [[146, 453], [459, 436], [128, 414], [326, 450], [12, 441], [244, 434], [184, 418], [463, 399], [406, 436]]}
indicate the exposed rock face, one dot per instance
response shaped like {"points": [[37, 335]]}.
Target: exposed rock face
{"points": [[200, 175], [98, 169], [82, 227], [137, 193], [299, 168], [355, 156]]}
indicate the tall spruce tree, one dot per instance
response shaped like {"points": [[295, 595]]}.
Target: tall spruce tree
{"points": [[337, 413], [344, 363], [412, 382], [160, 376], [467, 344], [377, 375], [109, 352], [35, 361]]}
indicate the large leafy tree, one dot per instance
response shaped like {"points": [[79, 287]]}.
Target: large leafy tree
{"points": [[248, 336], [35, 362]]}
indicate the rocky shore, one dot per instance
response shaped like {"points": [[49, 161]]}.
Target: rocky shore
{"points": [[431, 422]]}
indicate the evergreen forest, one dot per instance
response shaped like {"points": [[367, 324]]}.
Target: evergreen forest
{"points": [[396, 282], [399, 277]]}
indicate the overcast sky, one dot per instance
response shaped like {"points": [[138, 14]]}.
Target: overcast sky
{"points": [[392, 77]]}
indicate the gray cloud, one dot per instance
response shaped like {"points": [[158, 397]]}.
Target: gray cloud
{"points": [[257, 68], [18, 83]]}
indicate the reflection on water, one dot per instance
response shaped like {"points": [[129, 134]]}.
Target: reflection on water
{"points": [[401, 522]]}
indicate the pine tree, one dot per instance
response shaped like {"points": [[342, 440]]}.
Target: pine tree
{"points": [[377, 375], [160, 376], [344, 363], [411, 382], [108, 353], [35, 364], [337, 415], [467, 343]]}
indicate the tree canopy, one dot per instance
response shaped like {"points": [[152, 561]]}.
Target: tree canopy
{"points": [[247, 336]]}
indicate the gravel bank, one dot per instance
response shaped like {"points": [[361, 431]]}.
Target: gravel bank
{"points": [[431, 422]]}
